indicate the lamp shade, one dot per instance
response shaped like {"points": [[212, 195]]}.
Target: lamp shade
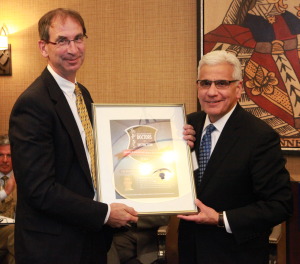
{"points": [[3, 42]]}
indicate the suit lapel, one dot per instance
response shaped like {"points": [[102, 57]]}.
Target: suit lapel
{"points": [[227, 140], [198, 128], [66, 116]]}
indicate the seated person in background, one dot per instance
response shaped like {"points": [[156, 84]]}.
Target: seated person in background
{"points": [[138, 245], [8, 198]]}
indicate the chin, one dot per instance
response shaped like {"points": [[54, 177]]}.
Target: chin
{"points": [[212, 110]]}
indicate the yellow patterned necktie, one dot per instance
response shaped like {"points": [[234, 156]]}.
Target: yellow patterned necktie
{"points": [[87, 126], [4, 179]]}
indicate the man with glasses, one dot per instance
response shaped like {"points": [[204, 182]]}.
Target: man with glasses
{"points": [[243, 188], [58, 219]]}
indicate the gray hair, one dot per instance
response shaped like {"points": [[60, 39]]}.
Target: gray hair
{"points": [[221, 56], [4, 140]]}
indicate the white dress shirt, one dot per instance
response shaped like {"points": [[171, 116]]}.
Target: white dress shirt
{"points": [[68, 89]]}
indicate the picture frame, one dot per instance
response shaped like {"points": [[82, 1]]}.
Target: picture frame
{"points": [[271, 88], [6, 220], [142, 159]]}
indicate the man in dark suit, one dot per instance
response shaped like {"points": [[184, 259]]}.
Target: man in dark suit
{"points": [[58, 219], [244, 190]]}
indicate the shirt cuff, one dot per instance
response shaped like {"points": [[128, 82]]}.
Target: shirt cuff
{"points": [[107, 215], [227, 226]]}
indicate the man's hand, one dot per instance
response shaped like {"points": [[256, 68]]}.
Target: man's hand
{"points": [[206, 215], [121, 215], [189, 135], [10, 184]]}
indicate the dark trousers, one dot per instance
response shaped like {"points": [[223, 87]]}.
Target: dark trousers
{"points": [[92, 252], [212, 245]]}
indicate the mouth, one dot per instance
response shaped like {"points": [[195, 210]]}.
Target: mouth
{"points": [[5, 169], [213, 102], [72, 60]]}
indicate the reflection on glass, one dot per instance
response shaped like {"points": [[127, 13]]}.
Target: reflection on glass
{"points": [[144, 159]]}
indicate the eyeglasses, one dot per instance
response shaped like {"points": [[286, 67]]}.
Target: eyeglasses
{"points": [[63, 42], [220, 84]]}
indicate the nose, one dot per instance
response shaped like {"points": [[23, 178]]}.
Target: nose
{"points": [[72, 47], [5, 158], [212, 90]]}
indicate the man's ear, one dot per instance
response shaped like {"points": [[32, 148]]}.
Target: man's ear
{"points": [[43, 48], [239, 89]]}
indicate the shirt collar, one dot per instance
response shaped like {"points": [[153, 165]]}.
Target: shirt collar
{"points": [[8, 174], [219, 125], [66, 86]]}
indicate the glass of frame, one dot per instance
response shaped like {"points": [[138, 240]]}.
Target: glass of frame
{"points": [[142, 159]]}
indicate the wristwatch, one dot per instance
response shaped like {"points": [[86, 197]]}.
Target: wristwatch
{"points": [[221, 220]]}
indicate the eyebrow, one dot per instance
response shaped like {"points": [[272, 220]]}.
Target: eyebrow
{"points": [[64, 37]]}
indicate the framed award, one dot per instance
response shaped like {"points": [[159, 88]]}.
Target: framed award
{"points": [[142, 159]]}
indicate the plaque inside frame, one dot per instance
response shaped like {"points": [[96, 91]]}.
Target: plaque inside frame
{"points": [[142, 159]]}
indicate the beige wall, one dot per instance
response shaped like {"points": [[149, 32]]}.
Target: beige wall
{"points": [[138, 51]]}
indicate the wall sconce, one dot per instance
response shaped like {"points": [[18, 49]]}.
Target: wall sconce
{"points": [[5, 52]]}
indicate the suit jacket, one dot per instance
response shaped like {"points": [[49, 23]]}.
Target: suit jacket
{"points": [[55, 210], [246, 177]]}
